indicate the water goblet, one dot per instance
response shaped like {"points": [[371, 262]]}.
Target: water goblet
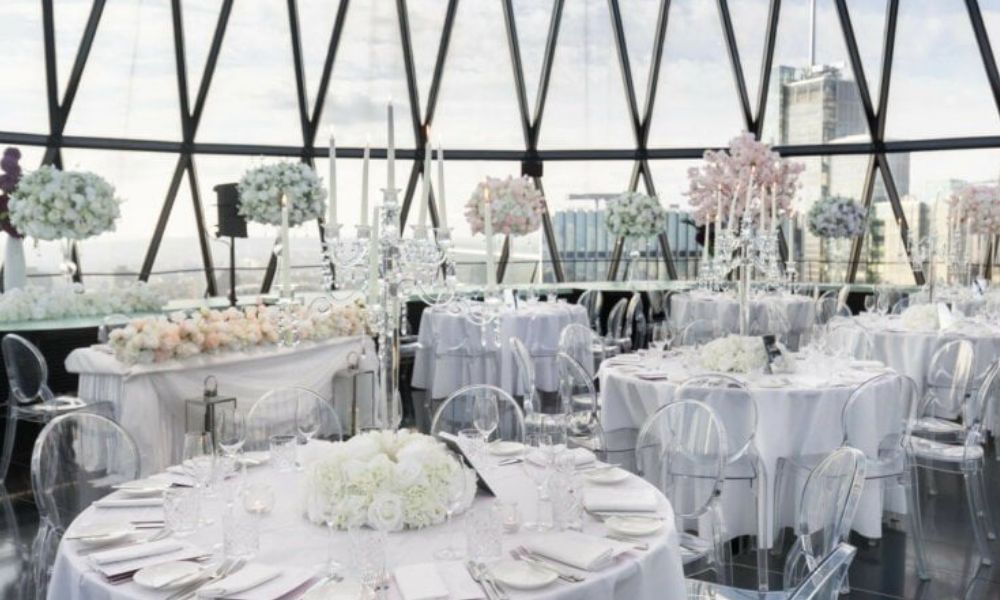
{"points": [[283, 452], [198, 458], [536, 466], [662, 337], [231, 433], [324, 507], [240, 533], [180, 511], [486, 415]]}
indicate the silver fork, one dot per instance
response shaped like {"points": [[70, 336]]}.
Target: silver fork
{"points": [[522, 554], [485, 574], [478, 578]]}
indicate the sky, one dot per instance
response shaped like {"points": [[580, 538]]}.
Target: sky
{"points": [[129, 88]]}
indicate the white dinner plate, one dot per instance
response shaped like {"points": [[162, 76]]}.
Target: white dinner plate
{"points": [[606, 476], [521, 575], [335, 590], [100, 534], [253, 459], [174, 573], [633, 526], [143, 488], [503, 448]]}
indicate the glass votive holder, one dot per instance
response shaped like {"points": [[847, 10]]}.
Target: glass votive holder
{"points": [[240, 533], [368, 553], [484, 532], [510, 516], [258, 498], [180, 510], [283, 448]]}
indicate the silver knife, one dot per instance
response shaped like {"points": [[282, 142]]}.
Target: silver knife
{"points": [[477, 577]]}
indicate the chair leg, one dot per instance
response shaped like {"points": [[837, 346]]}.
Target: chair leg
{"points": [[911, 483], [972, 494], [10, 431], [723, 555], [932, 489], [985, 513], [778, 543], [762, 525]]}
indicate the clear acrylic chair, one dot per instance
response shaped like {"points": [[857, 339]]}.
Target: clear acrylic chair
{"points": [[457, 412], [681, 449], [581, 406], [30, 398], [900, 306], [592, 301], [615, 333], [887, 463], [699, 332], [580, 342], [730, 397], [78, 458], [277, 413], [948, 381], [636, 331], [525, 366], [966, 457], [822, 583]]}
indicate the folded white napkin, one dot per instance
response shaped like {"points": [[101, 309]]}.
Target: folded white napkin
{"points": [[135, 551], [579, 550], [185, 551], [460, 584], [245, 579], [129, 503], [616, 500], [420, 582], [581, 456]]}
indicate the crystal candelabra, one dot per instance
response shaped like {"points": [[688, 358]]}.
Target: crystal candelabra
{"points": [[394, 269]]}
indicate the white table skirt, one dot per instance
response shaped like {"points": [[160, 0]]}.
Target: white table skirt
{"points": [[150, 400], [724, 310], [287, 539], [452, 354], [801, 418]]}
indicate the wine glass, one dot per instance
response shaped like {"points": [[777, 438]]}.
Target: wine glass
{"points": [[536, 465], [486, 415], [662, 336], [198, 460], [307, 417], [231, 432], [323, 506], [871, 302], [454, 495]]}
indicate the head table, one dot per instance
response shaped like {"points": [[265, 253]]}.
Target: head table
{"points": [[149, 399], [453, 352], [798, 414], [723, 309], [288, 540]]}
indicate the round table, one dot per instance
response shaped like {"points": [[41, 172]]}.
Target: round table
{"points": [[287, 539], [909, 351], [798, 414], [453, 354], [724, 310]]}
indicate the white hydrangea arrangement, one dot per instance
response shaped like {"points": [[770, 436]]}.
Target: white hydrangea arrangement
{"points": [[50, 204], [979, 207], [379, 473], [36, 304], [633, 214], [516, 206], [733, 354], [206, 331], [920, 317], [261, 189], [836, 217]]}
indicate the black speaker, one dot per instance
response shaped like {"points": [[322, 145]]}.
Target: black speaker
{"points": [[231, 224]]}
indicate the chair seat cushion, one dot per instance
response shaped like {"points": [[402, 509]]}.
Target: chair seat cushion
{"points": [[933, 450], [936, 426]]}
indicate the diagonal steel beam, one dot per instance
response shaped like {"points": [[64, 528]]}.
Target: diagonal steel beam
{"points": [[548, 57], [331, 55], [299, 68], [736, 63], [985, 49], [439, 62], [211, 286], [520, 90], [770, 41], [413, 93]]}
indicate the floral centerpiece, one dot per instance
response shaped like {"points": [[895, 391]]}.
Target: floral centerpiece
{"points": [[8, 183], [206, 331], [50, 204], [380, 473], [516, 205], [733, 354], [979, 207], [37, 304], [261, 189], [920, 317], [836, 217], [725, 173], [635, 215]]}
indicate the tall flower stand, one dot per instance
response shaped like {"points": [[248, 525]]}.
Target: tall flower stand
{"points": [[14, 269]]}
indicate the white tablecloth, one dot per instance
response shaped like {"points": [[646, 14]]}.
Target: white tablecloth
{"points": [[802, 417], [287, 539], [724, 310], [453, 355], [909, 352], [150, 400]]}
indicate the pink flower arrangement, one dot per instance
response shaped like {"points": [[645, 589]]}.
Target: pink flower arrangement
{"points": [[979, 207], [725, 173], [205, 331], [516, 205]]}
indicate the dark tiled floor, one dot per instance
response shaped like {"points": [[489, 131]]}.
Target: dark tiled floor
{"points": [[880, 571]]}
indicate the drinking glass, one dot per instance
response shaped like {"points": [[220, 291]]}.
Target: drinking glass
{"points": [[283, 452], [240, 533], [453, 495], [307, 417], [180, 510], [231, 432], [198, 457], [471, 442], [663, 336], [537, 447], [258, 498], [368, 554], [510, 515], [871, 301], [324, 507], [486, 415], [484, 533]]}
